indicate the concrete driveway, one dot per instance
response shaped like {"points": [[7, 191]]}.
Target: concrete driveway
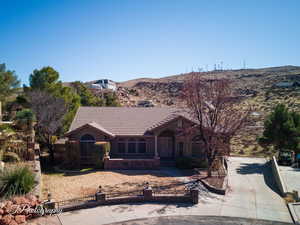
{"points": [[291, 178], [252, 194]]}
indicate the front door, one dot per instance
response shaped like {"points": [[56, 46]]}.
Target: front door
{"points": [[165, 147]]}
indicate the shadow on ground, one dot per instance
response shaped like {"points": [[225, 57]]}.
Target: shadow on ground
{"points": [[263, 169], [163, 209], [199, 220]]}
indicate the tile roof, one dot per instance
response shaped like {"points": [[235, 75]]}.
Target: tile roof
{"points": [[124, 120]]}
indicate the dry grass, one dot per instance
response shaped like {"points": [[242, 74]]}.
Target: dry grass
{"points": [[63, 187], [289, 198]]}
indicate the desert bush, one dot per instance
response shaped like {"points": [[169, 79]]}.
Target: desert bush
{"points": [[101, 150], [6, 128], [24, 119], [10, 157], [17, 180]]}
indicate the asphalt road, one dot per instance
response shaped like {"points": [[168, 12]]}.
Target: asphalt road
{"points": [[199, 220]]}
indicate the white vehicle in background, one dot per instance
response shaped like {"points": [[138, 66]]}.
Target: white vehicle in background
{"points": [[104, 84], [145, 103]]}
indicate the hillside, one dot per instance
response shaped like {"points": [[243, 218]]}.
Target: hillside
{"points": [[257, 85]]}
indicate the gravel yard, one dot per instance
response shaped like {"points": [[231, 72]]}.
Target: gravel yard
{"points": [[66, 186]]}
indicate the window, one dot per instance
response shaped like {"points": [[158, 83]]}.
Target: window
{"points": [[87, 138], [121, 146], [142, 146], [131, 146]]}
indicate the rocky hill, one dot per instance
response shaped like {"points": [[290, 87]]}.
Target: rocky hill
{"points": [[262, 88], [256, 84]]}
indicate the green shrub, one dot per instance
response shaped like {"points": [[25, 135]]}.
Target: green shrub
{"points": [[184, 163], [25, 118], [101, 150], [106, 148], [199, 163], [16, 180], [190, 163], [6, 128]]}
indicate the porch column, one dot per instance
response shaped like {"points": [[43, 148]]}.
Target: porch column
{"points": [[156, 154]]}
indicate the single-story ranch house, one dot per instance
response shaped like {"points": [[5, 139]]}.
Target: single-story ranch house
{"points": [[139, 137]]}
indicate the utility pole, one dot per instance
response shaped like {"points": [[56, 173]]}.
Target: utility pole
{"points": [[244, 64]]}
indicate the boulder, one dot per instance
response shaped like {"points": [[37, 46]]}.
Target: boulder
{"points": [[20, 200], [7, 207], [13, 222], [20, 219], [6, 220]]}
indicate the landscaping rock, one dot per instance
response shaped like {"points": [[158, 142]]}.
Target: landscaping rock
{"points": [[20, 219], [13, 222], [6, 220], [20, 200], [11, 212]]}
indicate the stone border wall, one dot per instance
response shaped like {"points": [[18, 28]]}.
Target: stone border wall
{"points": [[37, 191], [279, 181], [219, 191]]}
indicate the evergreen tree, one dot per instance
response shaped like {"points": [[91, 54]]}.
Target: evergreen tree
{"points": [[8, 82], [47, 80], [282, 129], [87, 98]]}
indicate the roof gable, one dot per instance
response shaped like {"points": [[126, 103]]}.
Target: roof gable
{"points": [[93, 125]]}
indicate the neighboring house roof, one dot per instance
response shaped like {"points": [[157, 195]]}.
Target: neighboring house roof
{"points": [[124, 120], [287, 84]]}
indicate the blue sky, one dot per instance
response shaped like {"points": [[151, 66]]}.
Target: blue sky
{"points": [[126, 39]]}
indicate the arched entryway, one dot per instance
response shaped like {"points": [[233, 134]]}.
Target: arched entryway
{"points": [[87, 142], [166, 147]]}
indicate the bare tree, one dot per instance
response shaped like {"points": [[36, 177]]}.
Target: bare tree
{"points": [[49, 112], [212, 103]]}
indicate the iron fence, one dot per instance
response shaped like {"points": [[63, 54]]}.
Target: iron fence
{"points": [[121, 194], [75, 201], [118, 194], [171, 192]]}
